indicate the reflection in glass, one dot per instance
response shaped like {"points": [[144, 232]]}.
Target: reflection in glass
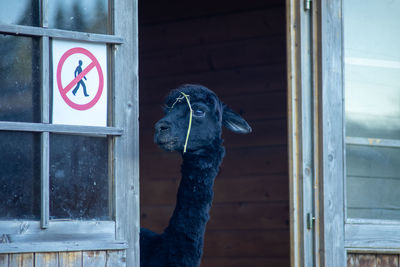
{"points": [[372, 97], [83, 16], [19, 175], [79, 185], [21, 12], [372, 68], [373, 182], [20, 79]]}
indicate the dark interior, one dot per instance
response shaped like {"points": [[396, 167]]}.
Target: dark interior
{"points": [[238, 50]]}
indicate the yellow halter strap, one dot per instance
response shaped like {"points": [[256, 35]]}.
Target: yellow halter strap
{"points": [[178, 99]]}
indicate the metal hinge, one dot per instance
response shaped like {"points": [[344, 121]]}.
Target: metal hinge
{"points": [[310, 221], [307, 4]]}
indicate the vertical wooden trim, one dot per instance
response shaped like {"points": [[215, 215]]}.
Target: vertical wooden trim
{"points": [[294, 141], [46, 259], [116, 258], [328, 79], [3, 260], [94, 259], [126, 116], [45, 118], [70, 259], [387, 261], [300, 125], [21, 260]]}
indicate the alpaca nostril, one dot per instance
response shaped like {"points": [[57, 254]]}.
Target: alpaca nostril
{"points": [[162, 127]]}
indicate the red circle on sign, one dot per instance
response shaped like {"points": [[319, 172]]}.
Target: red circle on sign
{"points": [[64, 91]]}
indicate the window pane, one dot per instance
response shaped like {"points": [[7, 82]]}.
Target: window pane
{"points": [[373, 182], [83, 16], [372, 97], [372, 68], [21, 12], [79, 185], [20, 79], [19, 175]]}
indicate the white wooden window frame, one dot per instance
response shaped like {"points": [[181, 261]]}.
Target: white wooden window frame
{"points": [[123, 230]]}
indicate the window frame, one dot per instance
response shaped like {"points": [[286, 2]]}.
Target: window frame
{"points": [[334, 235], [122, 134]]}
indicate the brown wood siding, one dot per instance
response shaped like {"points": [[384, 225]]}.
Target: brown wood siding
{"points": [[372, 260], [237, 49], [108, 258]]}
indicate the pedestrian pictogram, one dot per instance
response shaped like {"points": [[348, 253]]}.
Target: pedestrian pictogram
{"points": [[79, 94], [78, 70]]}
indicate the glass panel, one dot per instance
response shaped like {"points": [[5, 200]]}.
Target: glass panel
{"points": [[372, 68], [79, 185], [19, 175], [373, 182], [21, 12], [83, 16], [372, 97], [20, 79]]}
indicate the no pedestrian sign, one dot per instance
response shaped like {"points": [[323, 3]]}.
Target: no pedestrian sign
{"points": [[79, 83]]}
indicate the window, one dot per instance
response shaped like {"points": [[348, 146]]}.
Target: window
{"points": [[372, 96], [64, 182]]}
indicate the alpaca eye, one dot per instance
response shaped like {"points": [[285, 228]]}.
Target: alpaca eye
{"points": [[199, 112]]}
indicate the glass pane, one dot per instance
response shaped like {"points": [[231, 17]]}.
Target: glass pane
{"points": [[372, 97], [20, 79], [19, 175], [83, 16], [79, 185], [21, 12], [372, 68], [373, 182]]}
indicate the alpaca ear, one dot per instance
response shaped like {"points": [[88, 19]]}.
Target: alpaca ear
{"points": [[234, 121]]}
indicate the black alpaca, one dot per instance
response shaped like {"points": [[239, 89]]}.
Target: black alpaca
{"points": [[181, 243]]}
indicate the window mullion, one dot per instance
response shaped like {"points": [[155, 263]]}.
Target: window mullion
{"points": [[45, 118]]}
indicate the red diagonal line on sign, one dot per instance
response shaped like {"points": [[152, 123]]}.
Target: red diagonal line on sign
{"points": [[79, 77]]}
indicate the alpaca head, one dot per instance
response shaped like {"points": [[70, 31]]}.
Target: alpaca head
{"points": [[205, 120]]}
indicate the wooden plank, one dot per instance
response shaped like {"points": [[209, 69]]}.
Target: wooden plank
{"points": [[172, 11], [366, 260], [3, 260], [226, 189], [116, 258], [62, 245], [61, 34], [241, 262], [372, 236], [228, 216], [94, 259], [46, 259], [126, 116], [351, 260], [214, 57], [70, 259], [206, 30], [21, 260], [259, 161], [387, 260], [253, 79], [255, 243], [329, 122], [59, 128]]}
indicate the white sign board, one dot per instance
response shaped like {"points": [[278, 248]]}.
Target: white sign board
{"points": [[79, 83]]}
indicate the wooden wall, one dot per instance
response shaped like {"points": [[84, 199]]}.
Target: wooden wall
{"points": [[237, 49], [372, 260], [62, 259]]}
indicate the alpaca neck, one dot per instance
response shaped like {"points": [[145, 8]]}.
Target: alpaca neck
{"points": [[195, 194]]}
